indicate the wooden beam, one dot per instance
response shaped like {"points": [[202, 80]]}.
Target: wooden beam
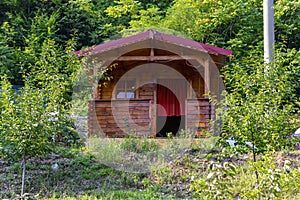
{"points": [[154, 58]]}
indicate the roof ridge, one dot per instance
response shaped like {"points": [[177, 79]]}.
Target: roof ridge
{"points": [[153, 34]]}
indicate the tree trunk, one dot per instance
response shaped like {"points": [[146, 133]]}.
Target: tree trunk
{"points": [[254, 157], [23, 174]]}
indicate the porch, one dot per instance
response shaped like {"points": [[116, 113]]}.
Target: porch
{"points": [[120, 117]]}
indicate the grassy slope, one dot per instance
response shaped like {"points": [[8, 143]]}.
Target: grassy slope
{"points": [[80, 176], [77, 175]]}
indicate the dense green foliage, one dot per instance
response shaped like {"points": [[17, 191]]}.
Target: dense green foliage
{"points": [[35, 117], [30, 23], [37, 112], [260, 107]]}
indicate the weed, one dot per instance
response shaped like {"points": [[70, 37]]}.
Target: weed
{"points": [[134, 144], [146, 182]]}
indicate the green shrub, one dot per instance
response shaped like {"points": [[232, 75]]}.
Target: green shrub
{"points": [[259, 107], [228, 181]]}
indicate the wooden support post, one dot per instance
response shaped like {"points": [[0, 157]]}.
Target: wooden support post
{"points": [[137, 88], [154, 111], [205, 62], [152, 54], [207, 76], [95, 82], [190, 89], [186, 114]]}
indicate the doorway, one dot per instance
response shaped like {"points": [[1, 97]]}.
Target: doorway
{"points": [[171, 96]]}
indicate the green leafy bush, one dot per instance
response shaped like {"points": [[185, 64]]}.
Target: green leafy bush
{"points": [[260, 108], [26, 121], [229, 181], [35, 118]]}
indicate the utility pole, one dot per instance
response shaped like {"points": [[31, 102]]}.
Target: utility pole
{"points": [[269, 37]]}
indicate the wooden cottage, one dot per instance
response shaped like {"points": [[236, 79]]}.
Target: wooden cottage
{"points": [[156, 84]]}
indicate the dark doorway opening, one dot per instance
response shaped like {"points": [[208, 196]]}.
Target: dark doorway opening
{"points": [[169, 124]]}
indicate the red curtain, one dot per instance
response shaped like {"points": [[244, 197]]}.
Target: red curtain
{"points": [[171, 95]]}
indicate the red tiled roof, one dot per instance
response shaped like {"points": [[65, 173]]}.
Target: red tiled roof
{"points": [[153, 34]]}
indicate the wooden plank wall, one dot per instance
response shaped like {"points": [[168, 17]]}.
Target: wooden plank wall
{"points": [[117, 118], [198, 114], [146, 91]]}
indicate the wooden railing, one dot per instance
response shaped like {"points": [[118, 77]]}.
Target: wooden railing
{"points": [[199, 112], [117, 118]]}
